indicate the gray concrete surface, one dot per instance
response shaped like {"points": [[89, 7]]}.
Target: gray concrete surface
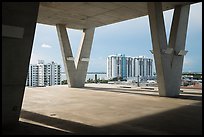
{"points": [[108, 109], [75, 69], [18, 26], [19, 21], [168, 65], [80, 15]]}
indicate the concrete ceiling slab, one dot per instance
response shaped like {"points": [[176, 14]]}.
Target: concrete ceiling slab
{"points": [[81, 15]]}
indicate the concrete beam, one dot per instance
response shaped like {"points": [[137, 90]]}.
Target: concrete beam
{"points": [[168, 64], [75, 69], [18, 28]]}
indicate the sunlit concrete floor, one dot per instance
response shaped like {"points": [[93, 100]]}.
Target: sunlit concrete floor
{"points": [[108, 109]]}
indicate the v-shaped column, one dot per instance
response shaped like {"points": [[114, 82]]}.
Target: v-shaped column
{"points": [[168, 57], [75, 69]]}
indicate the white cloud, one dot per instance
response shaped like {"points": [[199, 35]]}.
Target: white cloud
{"points": [[46, 46]]}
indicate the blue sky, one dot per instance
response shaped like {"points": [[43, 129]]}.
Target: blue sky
{"points": [[131, 37]]}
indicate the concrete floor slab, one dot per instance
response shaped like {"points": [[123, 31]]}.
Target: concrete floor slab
{"points": [[109, 109]]}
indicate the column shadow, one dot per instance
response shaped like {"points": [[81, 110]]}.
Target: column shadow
{"points": [[183, 95], [186, 120]]}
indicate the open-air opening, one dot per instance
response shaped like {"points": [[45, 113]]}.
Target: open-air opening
{"points": [[120, 100]]}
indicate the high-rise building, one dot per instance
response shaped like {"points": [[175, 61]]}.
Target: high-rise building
{"points": [[119, 66], [41, 74], [116, 67]]}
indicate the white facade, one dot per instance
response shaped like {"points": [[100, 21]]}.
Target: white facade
{"points": [[116, 66], [129, 67], [32, 78], [113, 66], [41, 74], [142, 66], [44, 74]]}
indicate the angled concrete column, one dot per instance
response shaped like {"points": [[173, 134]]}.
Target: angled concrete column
{"points": [[18, 27], [83, 55], [67, 55], [75, 69], [177, 42], [168, 60]]}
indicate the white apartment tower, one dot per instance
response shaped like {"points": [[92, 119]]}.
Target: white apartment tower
{"points": [[128, 67], [117, 66], [42, 74]]}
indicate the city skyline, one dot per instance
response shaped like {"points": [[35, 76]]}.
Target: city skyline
{"points": [[131, 37]]}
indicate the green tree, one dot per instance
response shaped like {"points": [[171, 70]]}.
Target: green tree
{"points": [[64, 82]]}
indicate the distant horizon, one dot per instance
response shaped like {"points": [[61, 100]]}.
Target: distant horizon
{"points": [[106, 71]]}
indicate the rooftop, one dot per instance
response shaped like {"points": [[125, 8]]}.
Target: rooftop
{"points": [[108, 109]]}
